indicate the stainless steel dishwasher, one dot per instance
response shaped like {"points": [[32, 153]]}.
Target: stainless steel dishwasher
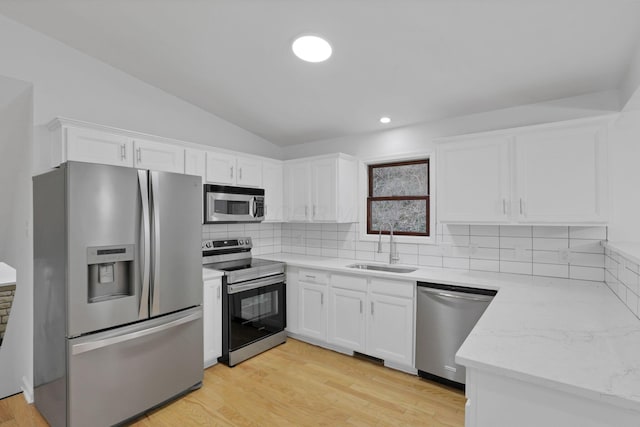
{"points": [[445, 316]]}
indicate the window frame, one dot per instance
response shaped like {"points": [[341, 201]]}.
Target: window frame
{"points": [[363, 192], [371, 198]]}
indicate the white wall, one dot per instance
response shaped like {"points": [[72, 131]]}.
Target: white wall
{"points": [[418, 138], [16, 245], [71, 84]]}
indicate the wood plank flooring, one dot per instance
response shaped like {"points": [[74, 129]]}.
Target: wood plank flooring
{"points": [[294, 384]]}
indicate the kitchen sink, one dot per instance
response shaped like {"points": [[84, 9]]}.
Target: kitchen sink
{"points": [[379, 267]]}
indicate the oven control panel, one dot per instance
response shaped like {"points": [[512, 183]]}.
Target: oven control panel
{"points": [[241, 243]]}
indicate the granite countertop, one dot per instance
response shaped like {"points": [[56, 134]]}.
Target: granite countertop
{"points": [[570, 335], [7, 274]]}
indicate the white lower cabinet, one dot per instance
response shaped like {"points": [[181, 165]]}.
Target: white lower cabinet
{"points": [[390, 331], [497, 401], [346, 313], [212, 320], [312, 296], [354, 313]]}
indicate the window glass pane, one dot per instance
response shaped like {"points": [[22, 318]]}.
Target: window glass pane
{"points": [[406, 215], [406, 180]]}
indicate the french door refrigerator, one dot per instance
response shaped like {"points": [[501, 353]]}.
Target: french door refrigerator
{"points": [[117, 291]]}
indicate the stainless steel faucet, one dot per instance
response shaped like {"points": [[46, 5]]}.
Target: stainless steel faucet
{"points": [[393, 248]]}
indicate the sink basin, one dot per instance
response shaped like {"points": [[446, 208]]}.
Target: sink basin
{"points": [[379, 267]]}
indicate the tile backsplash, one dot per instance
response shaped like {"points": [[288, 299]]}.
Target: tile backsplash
{"points": [[566, 252], [622, 276], [266, 237]]}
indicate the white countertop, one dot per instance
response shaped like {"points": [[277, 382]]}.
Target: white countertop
{"points": [[209, 273], [569, 335], [7, 274]]}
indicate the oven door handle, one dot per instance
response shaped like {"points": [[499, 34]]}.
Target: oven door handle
{"points": [[254, 284]]}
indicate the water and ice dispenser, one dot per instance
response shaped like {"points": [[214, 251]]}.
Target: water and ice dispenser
{"points": [[110, 272]]}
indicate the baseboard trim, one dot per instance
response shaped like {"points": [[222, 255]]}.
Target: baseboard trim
{"points": [[27, 390]]}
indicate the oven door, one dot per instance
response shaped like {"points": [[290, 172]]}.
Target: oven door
{"points": [[256, 310]]}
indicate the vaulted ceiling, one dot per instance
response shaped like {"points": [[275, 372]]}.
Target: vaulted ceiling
{"points": [[413, 60]]}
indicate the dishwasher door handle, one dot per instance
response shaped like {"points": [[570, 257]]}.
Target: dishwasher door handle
{"points": [[438, 293]]}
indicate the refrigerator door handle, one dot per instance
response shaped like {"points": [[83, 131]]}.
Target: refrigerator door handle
{"points": [[94, 345], [155, 212], [145, 243]]}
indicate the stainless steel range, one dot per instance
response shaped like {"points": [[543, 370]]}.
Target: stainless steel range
{"points": [[253, 299]]}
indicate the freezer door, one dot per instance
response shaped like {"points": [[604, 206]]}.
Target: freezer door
{"points": [[103, 216], [176, 261], [119, 374]]}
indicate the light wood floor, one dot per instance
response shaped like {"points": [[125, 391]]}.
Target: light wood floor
{"points": [[294, 384]]}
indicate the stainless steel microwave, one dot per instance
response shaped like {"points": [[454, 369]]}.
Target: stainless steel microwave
{"points": [[233, 204]]}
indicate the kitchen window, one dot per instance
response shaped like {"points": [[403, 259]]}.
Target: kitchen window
{"points": [[398, 194]]}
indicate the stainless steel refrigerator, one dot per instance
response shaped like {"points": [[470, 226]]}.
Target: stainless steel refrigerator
{"points": [[117, 291]]}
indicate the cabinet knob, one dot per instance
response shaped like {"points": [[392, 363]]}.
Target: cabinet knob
{"points": [[240, 173], [231, 172]]}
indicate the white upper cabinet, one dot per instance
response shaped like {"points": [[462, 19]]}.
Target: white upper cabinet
{"points": [[561, 175], [321, 189], [297, 191], [229, 169], [548, 174], [93, 146], [324, 190], [473, 180], [221, 168], [249, 171], [158, 156], [195, 162], [272, 182]]}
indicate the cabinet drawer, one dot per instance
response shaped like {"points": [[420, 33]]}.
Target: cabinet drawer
{"points": [[392, 287], [313, 276], [355, 283]]}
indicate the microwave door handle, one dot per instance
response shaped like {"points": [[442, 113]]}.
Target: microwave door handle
{"points": [[254, 204]]}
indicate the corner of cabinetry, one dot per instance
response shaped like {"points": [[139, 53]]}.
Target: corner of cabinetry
{"points": [[57, 149]]}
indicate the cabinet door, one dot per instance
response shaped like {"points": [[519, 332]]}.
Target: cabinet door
{"points": [[473, 180], [249, 172], [390, 328], [273, 183], [312, 317], [297, 191], [158, 156], [292, 300], [561, 175], [212, 321], [324, 190], [346, 318], [195, 162], [221, 168], [92, 146]]}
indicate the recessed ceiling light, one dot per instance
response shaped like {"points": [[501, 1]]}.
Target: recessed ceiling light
{"points": [[385, 120], [311, 48]]}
